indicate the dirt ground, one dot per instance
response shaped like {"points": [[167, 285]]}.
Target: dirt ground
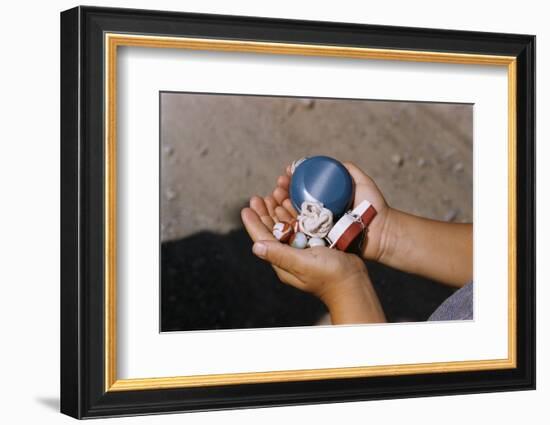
{"points": [[219, 150]]}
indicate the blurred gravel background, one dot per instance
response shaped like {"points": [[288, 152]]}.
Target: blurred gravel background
{"points": [[219, 150]]}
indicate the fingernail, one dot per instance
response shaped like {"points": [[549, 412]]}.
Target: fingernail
{"points": [[259, 249]]}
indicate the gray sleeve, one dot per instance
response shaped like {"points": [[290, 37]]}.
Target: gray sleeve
{"points": [[459, 306]]}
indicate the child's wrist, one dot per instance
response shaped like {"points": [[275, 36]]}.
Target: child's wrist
{"points": [[381, 248], [345, 288], [395, 244], [353, 300], [388, 236]]}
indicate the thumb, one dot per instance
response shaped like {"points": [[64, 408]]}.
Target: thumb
{"points": [[356, 173], [278, 254]]}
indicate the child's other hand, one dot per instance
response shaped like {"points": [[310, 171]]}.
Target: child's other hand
{"points": [[434, 249], [365, 188], [339, 279]]}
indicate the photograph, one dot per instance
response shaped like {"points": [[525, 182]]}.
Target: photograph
{"points": [[283, 211], [263, 212]]}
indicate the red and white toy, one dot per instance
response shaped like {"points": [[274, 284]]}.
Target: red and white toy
{"points": [[351, 225]]}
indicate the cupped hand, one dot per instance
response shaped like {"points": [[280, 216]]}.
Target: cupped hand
{"points": [[365, 189], [320, 270]]}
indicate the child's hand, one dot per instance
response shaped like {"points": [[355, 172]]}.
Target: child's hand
{"points": [[339, 279], [434, 249], [365, 188]]}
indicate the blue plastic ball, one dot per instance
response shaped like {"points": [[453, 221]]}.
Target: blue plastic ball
{"points": [[325, 180]]}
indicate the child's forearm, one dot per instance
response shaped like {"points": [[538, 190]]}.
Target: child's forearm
{"points": [[354, 301], [434, 249]]}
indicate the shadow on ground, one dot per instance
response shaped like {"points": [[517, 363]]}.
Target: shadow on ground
{"points": [[213, 281]]}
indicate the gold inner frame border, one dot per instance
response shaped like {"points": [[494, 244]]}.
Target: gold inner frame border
{"points": [[114, 40]]}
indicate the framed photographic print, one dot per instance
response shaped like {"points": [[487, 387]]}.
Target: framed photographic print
{"points": [[262, 212]]}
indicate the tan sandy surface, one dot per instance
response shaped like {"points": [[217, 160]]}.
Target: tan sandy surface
{"points": [[217, 151]]}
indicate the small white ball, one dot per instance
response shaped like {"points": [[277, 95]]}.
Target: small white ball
{"points": [[316, 242], [298, 240]]}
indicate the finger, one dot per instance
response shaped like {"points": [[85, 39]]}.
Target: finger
{"points": [[258, 205], [288, 170], [283, 182], [268, 222], [280, 195], [280, 255], [283, 214], [256, 229], [287, 204], [271, 204], [356, 173]]}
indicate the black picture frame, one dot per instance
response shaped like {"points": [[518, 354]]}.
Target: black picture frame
{"points": [[83, 392]]}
